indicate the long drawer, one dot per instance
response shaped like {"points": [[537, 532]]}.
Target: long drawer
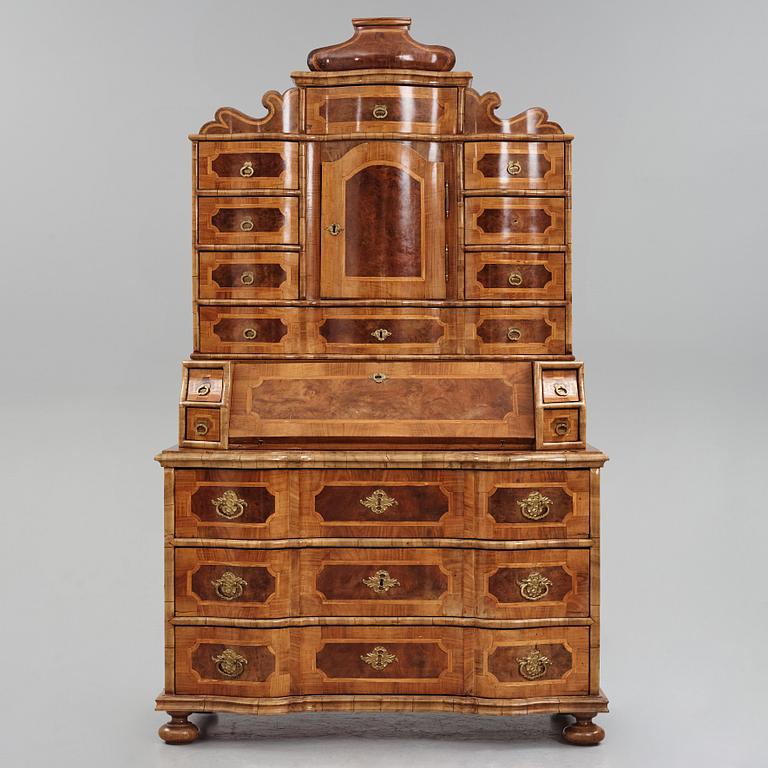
{"points": [[382, 330], [356, 503], [516, 663], [265, 584]]}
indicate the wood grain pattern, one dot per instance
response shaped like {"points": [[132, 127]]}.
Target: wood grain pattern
{"points": [[514, 165], [247, 220], [246, 275], [282, 117], [514, 221], [515, 275], [230, 165]]}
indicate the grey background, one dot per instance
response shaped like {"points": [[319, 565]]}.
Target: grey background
{"points": [[667, 101]]}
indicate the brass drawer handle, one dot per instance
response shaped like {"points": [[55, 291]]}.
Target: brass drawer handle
{"points": [[230, 663], [246, 225], [335, 229], [229, 505], [246, 169], [201, 429], [382, 334], [562, 427], [249, 333], [534, 586], [534, 665], [514, 168], [378, 502], [535, 506], [229, 586], [203, 390], [560, 390], [379, 377], [380, 111], [381, 582], [247, 278], [379, 658], [514, 334], [515, 279]]}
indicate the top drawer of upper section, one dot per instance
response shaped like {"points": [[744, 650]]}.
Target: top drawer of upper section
{"points": [[381, 108]]}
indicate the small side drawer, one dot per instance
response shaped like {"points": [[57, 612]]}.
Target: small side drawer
{"points": [[514, 220], [514, 165], [562, 425], [510, 275], [561, 386], [248, 220], [223, 165], [248, 275], [203, 425], [203, 385], [534, 330], [381, 108]]}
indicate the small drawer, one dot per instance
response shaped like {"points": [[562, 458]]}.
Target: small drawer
{"points": [[204, 385], [514, 275], [203, 425], [224, 165], [248, 275], [248, 220], [381, 108], [560, 386], [514, 220], [562, 425], [246, 330], [524, 331], [514, 165]]}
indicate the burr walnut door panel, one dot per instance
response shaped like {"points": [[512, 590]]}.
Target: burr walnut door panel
{"points": [[407, 660], [260, 275], [524, 663], [536, 504], [232, 504], [382, 503], [381, 108], [382, 222], [225, 165], [514, 220], [525, 330], [514, 165], [411, 402], [247, 220], [532, 584], [382, 582], [221, 661], [516, 276]]}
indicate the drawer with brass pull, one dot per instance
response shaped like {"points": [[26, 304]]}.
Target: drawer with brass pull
{"points": [[514, 221], [517, 276], [514, 165], [247, 220], [225, 165], [248, 275], [525, 330], [203, 425], [381, 108]]}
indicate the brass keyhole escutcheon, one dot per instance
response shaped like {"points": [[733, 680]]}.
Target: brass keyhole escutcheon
{"points": [[246, 225], [246, 169], [381, 334], [514, 168], [201, 428], [379, 377], [335, 229], [380, 111], [561, 427], [249, 333], [381, 582], [229, 586], [230, 663], [561, 390], [247, 278], [515, 279], [378, 502], [204, 389], [514, 334], [379, 658]]}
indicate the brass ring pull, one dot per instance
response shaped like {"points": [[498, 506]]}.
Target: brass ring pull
{"points": [[201, 428], [230, 663], [381, 334], [534, 665], [381, 582], [561, 427], [535, 506], [379, 658], [204, 389], [229, 586], [514, 334], [514, 168], [249, 333], [379, 377], [380, 111], [515, 279], [247, 278], [535, 586], [246, 169], [560, 390], [335, 229], [246, 225], [229, 505]]}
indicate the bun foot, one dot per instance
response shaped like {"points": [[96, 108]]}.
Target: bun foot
{"points": [[583, 732], [179, 730]]}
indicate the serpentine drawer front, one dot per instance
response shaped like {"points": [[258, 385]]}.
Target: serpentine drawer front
{"points": [[228, 165]]}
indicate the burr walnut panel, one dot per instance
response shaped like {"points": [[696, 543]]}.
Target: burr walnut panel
{"points": [[248, 275], [514, 221], [514, 165], [365, 108], [514, 275], [248, 220], [231, 165]]}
